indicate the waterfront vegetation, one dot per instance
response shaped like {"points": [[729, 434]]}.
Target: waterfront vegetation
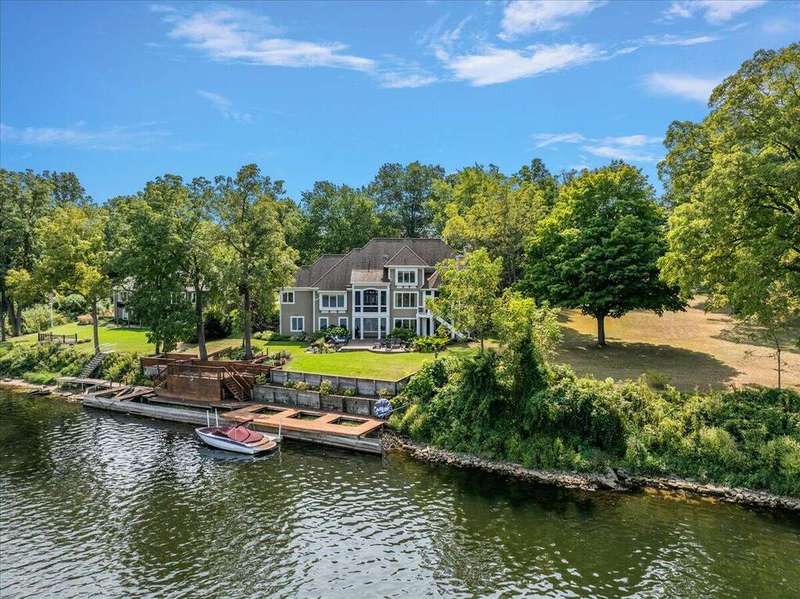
{"points": [[474, 404]]}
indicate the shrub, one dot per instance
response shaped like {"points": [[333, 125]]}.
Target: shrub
{"points": [[655, 379], [217, 325], [49, 357], [290, 384], [37, 318], [402, 333], [122, 368], [40, 377], [348, 392], [71, 305], [261, 379], [326, 387], [470, 403], [429, 344], [385, 393], [276, 337], [301, 386], [336, 332]]}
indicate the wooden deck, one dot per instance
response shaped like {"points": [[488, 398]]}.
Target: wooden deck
{"points": [[286, 419]]}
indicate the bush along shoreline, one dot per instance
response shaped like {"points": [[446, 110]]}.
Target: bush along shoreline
{"points": [[42, 363], [508, 408]]}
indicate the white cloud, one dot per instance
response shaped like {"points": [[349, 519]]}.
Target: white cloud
{"points": [[495, 65], [674, 40], [620, 153], [683, 86], [714, 11], [133, 137], [633, 148], [442, 40], [526, 16], [232, 34], [543, 140], [225, 107], [397, 80]]}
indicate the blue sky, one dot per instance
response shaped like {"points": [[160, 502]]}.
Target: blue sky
{"points": [[123, 92]]}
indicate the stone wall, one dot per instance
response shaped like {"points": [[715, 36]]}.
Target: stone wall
{"points": [[314, 400], [363, 387]]}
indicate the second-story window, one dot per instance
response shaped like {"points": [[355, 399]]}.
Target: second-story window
{"points": [[407, 277], [331, 301], [405, 299], [287, 297]]}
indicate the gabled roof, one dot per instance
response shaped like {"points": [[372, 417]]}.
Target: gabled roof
{"points": [[405, 256], [307, 275], [336, 271]]}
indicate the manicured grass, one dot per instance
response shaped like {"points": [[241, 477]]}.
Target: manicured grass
{"points": [[363, 364], [693, 349], [112, 338]]}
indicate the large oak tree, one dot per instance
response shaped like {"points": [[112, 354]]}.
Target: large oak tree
{"points": [[598, 248]]}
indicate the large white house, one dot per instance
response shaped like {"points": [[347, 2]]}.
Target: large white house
{"points": [[369, 290]]}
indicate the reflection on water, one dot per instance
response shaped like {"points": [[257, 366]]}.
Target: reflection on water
{"points": [[99, 505]]}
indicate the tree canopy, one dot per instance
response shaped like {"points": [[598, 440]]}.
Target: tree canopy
{"points": [[598, 248], [247, 209], [734, 181]]}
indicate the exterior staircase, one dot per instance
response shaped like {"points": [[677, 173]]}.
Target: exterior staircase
{"points": [[93, 365], [237, 385]]}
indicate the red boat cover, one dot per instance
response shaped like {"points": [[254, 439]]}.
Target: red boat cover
{"points": [[244, 435]]}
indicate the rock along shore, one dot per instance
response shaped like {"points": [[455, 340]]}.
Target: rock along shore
{"points": [[615, 479]]}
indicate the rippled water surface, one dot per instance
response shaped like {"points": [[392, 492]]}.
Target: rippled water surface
{"points": [[97, 505]]}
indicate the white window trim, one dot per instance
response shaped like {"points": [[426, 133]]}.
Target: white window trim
{"points": [[327, 323], [302, 324], [333, 294], [404, 270], [398, 307], [346, 322], [415, 328], [293, 297]]}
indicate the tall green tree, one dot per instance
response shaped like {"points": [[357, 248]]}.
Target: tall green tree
{"points": [[401, 195], [25, 198], [150, 258], [468, 293], [734, 182], [74, 256], [246, 209], [336, 218], [598, 248], [479, 207], [202, 261]]}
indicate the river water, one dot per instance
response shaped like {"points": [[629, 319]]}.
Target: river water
{"points": [[96, 505]]}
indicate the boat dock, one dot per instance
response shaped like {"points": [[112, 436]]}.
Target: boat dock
{"points": [[326, 428]]}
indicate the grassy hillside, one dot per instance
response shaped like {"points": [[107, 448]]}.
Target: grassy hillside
{"points": [[692, 349]]}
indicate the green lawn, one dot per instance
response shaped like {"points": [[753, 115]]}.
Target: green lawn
{"points": [[111, 338], [357, 363]]}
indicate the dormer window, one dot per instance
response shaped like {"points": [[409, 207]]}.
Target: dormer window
{"points": [[406, 276]]}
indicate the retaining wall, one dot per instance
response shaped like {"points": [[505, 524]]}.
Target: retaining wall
{"points": [[314, 400], [360, 386]]}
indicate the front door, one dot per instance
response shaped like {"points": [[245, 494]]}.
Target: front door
{"points": [[371, 328]]}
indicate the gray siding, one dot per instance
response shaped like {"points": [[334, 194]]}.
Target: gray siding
{"points": [[302, 307]]}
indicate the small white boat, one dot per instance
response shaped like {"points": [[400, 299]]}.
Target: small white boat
{"points": [[236, 438]]}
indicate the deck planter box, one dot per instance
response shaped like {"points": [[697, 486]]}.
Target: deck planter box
{"points": [[295, 398]]}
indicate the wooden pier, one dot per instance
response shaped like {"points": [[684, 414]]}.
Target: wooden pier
{"points": [[326, 428]]}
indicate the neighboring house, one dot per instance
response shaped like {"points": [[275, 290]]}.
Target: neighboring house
{"points": [[120, 295], [369, 290]]}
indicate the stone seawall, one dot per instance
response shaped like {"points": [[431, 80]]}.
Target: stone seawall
{"points": [[613, 480]]}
